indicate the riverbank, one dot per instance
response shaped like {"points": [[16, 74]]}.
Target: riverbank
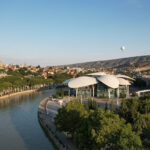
{"points": [[18, 93], [46, 112], [19, 126]]}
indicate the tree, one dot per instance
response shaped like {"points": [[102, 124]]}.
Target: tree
{"points": [[106, 106], [60, 77], [146, 131], [68, 117], [15, 81], [112, 107], [129, 111], [94, 105], [91, 105], [104, 130], [38, 66], [96, 129], [23, 71], [144, 109], [144, 104], [139, 123]]}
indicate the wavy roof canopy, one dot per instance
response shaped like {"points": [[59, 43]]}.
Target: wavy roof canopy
{"points": [[109, 80], [67, 81], [82, 82], [124, 77], [112, 81], [97, 74], [123, 81]]}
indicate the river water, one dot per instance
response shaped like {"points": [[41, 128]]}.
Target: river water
{"points": [[19, 126]]}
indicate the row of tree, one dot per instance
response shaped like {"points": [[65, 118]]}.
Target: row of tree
{"points": [[92, 127], [22, 79], [12, 82]]}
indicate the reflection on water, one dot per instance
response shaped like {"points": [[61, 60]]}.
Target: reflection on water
{"points": [[19, 126], [7, 102]]}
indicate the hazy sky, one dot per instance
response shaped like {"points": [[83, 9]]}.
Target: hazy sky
{"points": [[52, 32]]}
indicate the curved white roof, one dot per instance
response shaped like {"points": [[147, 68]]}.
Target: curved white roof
{"points": [[124, 77], [97, 74], [82, 81], [123, 81], [67, 81], [109, 80]]}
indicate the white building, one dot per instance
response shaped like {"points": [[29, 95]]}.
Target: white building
{"points": [[99, 85]]}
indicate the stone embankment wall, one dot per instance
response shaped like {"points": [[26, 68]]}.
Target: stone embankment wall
{"points": [[42, 116]]}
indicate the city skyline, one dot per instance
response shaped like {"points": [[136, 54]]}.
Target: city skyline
{"points": [[67, 32]]}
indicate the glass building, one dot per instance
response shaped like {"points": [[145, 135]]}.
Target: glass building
{"points": [[99, 86]]}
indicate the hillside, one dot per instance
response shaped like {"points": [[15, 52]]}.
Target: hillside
{"points": [[122, 62]]}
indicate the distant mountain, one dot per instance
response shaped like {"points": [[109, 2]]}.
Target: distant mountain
{"points": [[122, 62]]}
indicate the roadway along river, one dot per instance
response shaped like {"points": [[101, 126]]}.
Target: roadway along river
{"points": [[19, 126]]}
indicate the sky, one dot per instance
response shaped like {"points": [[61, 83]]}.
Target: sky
{"points": [[56, 32]]}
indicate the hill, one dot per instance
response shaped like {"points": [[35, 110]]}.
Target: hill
{"points": [[114, 63]]}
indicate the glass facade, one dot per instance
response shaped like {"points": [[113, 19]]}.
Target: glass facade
{"points": [[101, 91], [72, 92], [85, 92], [122, 91], [113, 93]]}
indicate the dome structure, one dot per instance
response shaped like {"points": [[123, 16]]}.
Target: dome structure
{"points": [[109, 80], [123, 81], [82, 82]]}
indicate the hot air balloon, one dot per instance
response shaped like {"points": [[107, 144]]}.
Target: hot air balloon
{"points": [[122, 48]]}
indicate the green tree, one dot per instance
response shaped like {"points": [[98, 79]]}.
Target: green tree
{"points": [[112, 107], [91, 105], [68, 117], [144, 104], [96, 129], [23, 71], [104, 130], [15, 81], [139, 123], [106, 106], [94, 105], [129, 111], [60, 77]]}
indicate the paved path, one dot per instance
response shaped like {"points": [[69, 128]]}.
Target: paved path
{"points": [[48, 110]]}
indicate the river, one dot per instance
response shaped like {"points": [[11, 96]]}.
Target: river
{"points": [[19, 126]]}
